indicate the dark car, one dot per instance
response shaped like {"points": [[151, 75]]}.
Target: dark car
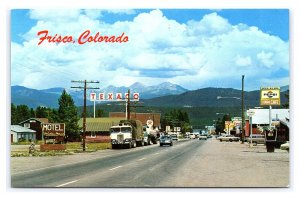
{"points": [[166, 140]]}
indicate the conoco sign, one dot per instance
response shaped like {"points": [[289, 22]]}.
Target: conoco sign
{"points": [[270, 96]]}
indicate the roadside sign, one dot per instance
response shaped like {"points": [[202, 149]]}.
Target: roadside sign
{"points": [[114, 97], [149, 123], [53, 129], [250, 113], [269, 96]]}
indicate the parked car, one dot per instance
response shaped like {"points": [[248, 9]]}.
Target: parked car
{"points": [[202, 137], [229, 138], [285, 146], [257, 139], [166, 140], [174, 137]]}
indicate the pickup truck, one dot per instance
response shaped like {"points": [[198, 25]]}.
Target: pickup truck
{"points": [[229, 138]]}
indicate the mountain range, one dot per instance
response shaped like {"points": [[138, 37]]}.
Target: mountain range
{"points": [[164, 94], [49, 97]]}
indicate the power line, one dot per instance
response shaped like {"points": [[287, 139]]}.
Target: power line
{"points": [[84, 104]]}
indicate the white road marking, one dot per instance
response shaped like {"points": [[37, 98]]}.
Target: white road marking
{"points": [[60, 165], [141, 159], [115, 168], [66, 183], [155, 153]]}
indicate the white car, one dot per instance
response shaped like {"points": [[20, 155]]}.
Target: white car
{"points": [[202, 137], [229, 138], [285, 146]]}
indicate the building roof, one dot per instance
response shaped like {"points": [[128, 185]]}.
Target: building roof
{"points": [[143, 117], [41, 120], [20, 129], [261, 116], [100, 124]]}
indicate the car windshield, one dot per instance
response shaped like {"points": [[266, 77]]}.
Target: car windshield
{"points": [[165, 137]]}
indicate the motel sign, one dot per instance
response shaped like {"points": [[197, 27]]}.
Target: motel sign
{"points": [[114, 97]]}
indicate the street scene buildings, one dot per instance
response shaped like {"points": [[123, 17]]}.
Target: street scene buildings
{"points": [[150, 98]]}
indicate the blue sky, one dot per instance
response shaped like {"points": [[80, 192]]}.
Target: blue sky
{"points": [[192, 48]]}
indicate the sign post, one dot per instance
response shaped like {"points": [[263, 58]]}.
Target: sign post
{"points": [[270, 96], [250, 113]]}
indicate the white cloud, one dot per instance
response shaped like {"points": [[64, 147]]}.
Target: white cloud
{"points": [[243, 61], [208, 52], [266, 58]]}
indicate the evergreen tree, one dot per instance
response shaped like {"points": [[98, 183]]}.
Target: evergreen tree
{"points": [[22, 113], [176, 118], [13, 115], [53, 116], [67, 113], [287, 104], [99, 113], [32, 113], [42, 112]]}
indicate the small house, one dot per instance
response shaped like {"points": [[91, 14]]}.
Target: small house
{"points": [[19, 134]]}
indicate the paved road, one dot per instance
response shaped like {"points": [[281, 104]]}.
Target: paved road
{"points": [[150, 166]]}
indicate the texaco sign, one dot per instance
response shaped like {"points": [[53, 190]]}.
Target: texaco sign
{"points": [[113, 97]]}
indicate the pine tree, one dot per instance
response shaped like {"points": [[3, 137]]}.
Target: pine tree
{"points": [[42, 112], [22, 113], [67, 113], [13, 117]]}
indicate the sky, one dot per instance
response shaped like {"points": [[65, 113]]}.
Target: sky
{"points": [[191, 48]]}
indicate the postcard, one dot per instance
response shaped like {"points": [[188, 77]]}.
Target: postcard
{"points": [[150, 98]]}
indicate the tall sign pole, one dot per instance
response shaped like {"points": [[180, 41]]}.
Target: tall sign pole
{"points": [[243, 116], [128, 105], [84, 105], [250, 114], [270, 96]]}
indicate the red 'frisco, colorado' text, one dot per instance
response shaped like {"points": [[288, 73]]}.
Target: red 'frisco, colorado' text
{"points": [[83, 38]]}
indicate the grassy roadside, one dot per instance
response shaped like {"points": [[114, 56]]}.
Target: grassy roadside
{"points": [[71, 148]]}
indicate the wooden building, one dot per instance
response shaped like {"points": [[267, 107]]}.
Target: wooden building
{"points": [[36, 125], [98, 129]]}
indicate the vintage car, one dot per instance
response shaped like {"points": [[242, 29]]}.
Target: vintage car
{"points": [[256, 139], [166, 140], [229, 138], [203, 137], [285, 146]]}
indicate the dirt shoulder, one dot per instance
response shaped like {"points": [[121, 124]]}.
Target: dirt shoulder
{"points": [[232, 164]]}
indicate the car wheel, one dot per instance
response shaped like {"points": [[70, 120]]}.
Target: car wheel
{"points": [[230, 140], [160, 144], [220, 140]]}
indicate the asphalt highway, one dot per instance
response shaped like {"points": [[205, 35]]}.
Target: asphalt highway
{"points": [[149, 166]]}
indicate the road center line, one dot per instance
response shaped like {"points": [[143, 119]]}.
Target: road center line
{"points": [[155, 153], [141, 159], [115, 168], [66, 183]]}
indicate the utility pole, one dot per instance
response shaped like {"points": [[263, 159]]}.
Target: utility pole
{"points": [[128, 106], [84, 104], [243, 116]]}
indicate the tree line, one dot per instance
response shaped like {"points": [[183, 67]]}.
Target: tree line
{"points": [[66, 113], [176, 118]]}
